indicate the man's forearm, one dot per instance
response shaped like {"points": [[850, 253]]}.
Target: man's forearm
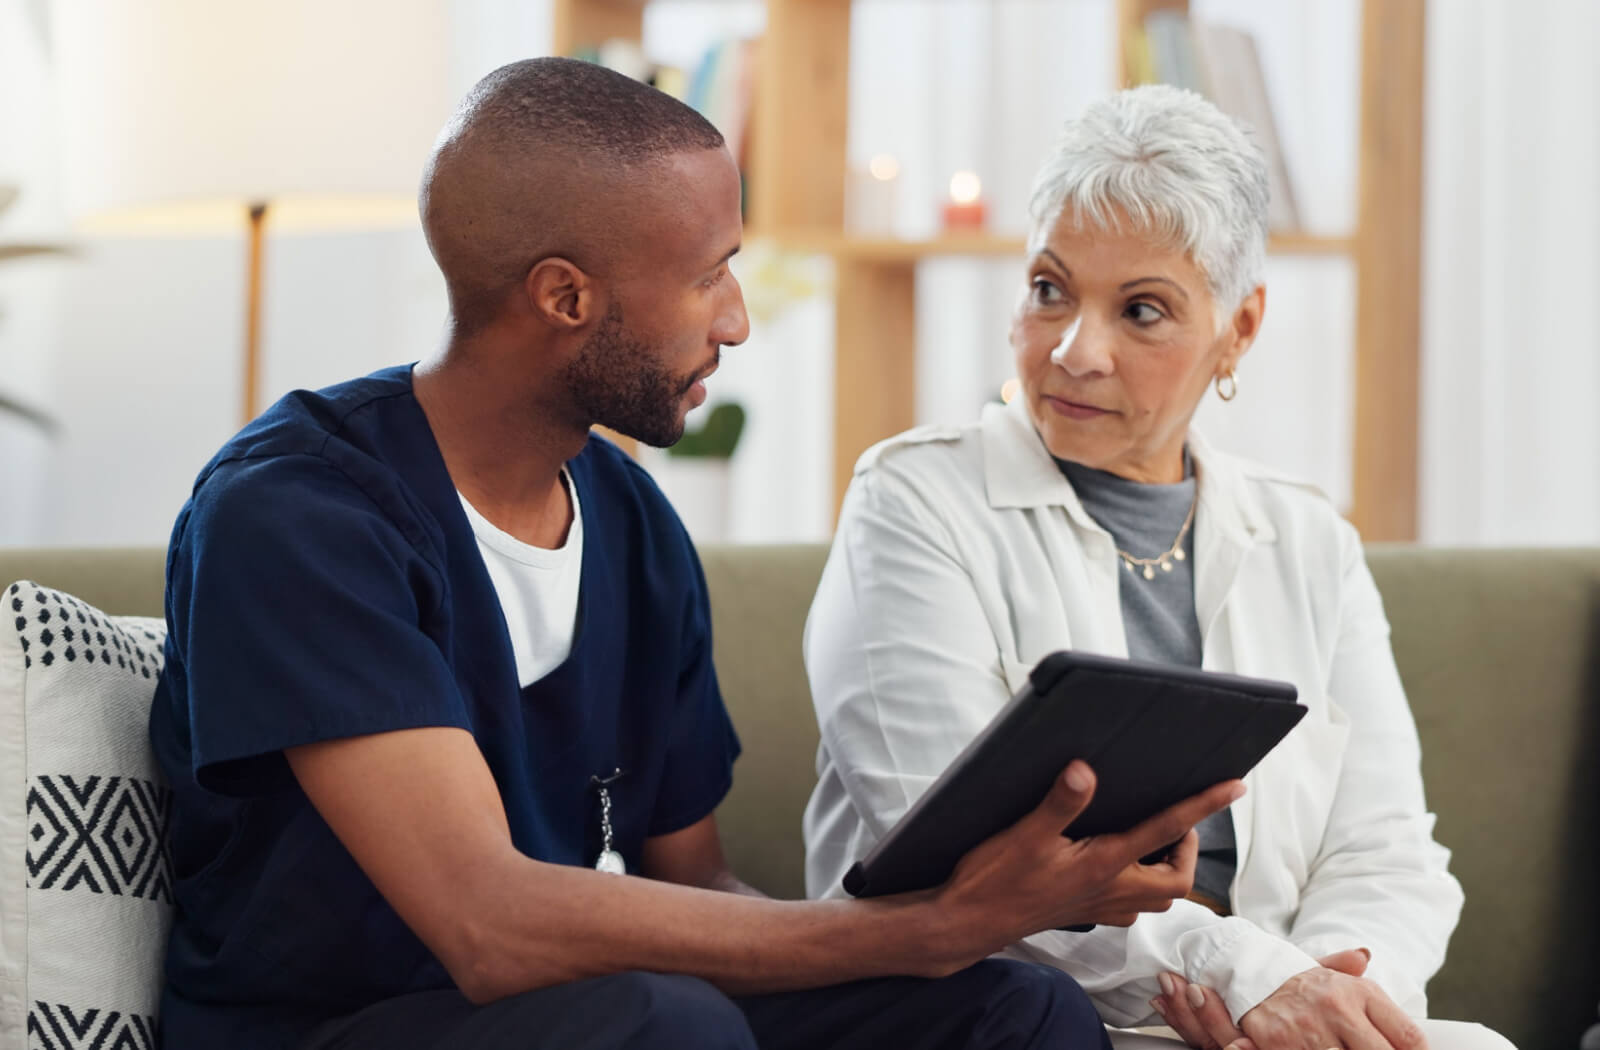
{"points": [[420, 812], [728, 882], [546, 924]]}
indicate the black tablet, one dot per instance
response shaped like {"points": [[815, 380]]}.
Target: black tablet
{"points": [[1153, 734]]}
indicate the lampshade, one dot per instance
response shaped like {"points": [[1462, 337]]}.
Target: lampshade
{"points": [[177, 113]]}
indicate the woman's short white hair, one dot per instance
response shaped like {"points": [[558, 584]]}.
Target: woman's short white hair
{"points": [[1183, 172]]}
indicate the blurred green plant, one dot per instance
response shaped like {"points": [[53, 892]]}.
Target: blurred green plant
{"points": [[717, 438], [774, 279]]}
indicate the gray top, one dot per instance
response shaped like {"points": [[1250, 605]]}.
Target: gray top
{"points": [[1158, 614]]}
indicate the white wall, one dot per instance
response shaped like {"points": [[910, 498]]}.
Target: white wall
{"points": [[1511, 342], [136, 343], [149, 369], [29, 289]]}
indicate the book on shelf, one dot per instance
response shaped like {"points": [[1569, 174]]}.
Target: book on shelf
{"points": [[722, 89], [1172, 50], [1223, 63], [1136, 57]]}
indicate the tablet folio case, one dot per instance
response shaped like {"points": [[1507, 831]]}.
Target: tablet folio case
{"points": [[1154, 735]]}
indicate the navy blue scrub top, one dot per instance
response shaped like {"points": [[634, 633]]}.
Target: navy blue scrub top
{"points": [[323, 582]]}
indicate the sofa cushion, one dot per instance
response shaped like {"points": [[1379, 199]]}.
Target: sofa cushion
{"points": [[1500, 655], [759, 600], [85, 872]]}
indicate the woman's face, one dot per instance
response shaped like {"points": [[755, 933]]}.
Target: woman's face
{"points": [[1116, 341]]}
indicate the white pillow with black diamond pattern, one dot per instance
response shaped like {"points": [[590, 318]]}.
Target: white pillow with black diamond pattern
{"points": [[85, 870]]}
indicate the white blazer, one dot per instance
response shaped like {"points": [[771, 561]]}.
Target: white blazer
{"points": [[963, 556]]}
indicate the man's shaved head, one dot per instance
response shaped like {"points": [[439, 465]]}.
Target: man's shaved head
{"points": [[545, 157]]}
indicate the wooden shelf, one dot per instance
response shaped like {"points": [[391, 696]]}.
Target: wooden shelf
{"points": [[896, 250], [19, 250], [589, 23], [1309, 244]]}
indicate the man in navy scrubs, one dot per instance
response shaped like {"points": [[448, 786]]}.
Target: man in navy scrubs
{"points": [[437, 654]]}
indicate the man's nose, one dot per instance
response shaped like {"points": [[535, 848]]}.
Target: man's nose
{"points": [[733, 324]]}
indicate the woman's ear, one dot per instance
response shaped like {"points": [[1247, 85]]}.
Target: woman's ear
{"points": [[559, 294], [1242, 329]]}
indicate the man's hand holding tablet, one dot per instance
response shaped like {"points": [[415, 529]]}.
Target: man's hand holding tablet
{"points": [[1030, 877]]}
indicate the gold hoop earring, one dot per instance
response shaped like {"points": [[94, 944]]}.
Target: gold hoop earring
{"points": [[1231, 390]]}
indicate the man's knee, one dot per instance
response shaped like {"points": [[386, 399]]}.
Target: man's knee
{"points": [[1038, 1002], [669, 1010]]}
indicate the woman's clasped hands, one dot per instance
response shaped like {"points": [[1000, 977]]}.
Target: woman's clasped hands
{"points": [[1331, 1006]]}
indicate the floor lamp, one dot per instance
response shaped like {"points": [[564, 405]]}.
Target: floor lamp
{"points": [[195, 117]]}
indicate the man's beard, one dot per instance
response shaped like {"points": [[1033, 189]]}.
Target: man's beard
{"points": [[615, 382]]}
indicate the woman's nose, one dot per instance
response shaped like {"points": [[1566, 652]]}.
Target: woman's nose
{"points": [[1080, 351]]}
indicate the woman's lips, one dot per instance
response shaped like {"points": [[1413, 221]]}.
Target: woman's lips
{"points": [[1074, 409]]}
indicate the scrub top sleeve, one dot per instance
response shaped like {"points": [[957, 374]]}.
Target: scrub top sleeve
{"points": [[298, 610], [702, 744]]}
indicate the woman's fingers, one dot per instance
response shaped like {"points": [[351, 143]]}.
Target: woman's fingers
{"points": [[1394, 1025], [1213, 1015], [1173, 1006], [1195, 1013], [1352, 961], [1187, 1029], [1361, 1034]]}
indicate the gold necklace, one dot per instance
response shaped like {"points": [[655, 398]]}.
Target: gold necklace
{"points": [[1173, 553]]}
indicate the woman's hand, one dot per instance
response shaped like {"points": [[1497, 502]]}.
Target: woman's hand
{"points": [[1197, 1015], [1201, 1020], [1324, 1008]]}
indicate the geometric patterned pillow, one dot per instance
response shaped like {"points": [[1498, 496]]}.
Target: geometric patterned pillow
{"points": [[85, 867]]}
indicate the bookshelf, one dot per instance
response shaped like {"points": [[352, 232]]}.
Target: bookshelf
{"points": [[1385, 250], [796, 191]]}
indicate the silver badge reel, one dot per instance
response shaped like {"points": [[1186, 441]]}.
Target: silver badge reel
{"points": [[609, 861]]}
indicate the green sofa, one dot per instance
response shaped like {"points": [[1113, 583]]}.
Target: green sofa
{"points": [[1500, 652]]}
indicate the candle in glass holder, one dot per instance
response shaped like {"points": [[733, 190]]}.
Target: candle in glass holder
{"points": [[964, 210]]}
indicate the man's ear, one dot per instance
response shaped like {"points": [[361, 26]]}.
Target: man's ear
{"points": [[1242, 329], [559, 294]]}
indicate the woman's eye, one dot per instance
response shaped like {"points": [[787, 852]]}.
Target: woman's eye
{"points": [[1045, 293], [1143, 313]]}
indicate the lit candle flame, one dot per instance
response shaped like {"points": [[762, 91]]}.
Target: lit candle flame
{"points": [[883, 167], [965, 187]]}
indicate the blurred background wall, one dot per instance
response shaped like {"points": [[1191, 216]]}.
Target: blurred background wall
{"points": [[129, 345]]}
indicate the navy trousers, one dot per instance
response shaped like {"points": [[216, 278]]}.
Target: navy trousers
{"points": [[995, 1005]]}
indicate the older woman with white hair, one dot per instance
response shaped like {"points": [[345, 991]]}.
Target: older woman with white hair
{"points": [[1088, 514]]}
